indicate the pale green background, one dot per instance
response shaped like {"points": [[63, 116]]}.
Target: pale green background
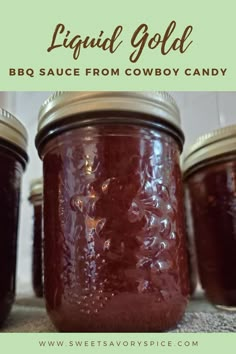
{"points": [[207, 343], [27, 26]]}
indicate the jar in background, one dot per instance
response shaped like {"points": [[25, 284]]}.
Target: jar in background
{"points": [[115, 251], [13, 158], [210, 183], [36, 198], [191, 249]]}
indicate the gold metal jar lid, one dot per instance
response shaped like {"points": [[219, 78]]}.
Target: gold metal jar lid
{"points": [[12, 130], [65, 104], [210, 146], [36, 189]]}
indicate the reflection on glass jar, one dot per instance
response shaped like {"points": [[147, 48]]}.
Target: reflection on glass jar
{"points": [[13, 158], [210, 180], [36, 198], [115, 257]]}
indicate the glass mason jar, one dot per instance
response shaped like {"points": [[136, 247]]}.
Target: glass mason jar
{"points": [[36, 198], [115, 257], [210, 183], [13, 158]]}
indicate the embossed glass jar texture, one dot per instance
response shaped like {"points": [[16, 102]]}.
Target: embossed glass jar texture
{"points": [[210, 186], [115, 255], [36, 199], [12, 160]]}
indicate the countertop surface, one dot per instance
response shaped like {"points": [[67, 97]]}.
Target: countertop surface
{"points": [[29, 315]]}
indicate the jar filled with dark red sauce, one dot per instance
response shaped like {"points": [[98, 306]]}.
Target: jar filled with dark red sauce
{"points": [[36, 199], [210, 186], [115, 250], [13, 159]]}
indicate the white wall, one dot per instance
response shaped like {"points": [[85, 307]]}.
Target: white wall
{"points": [[201, 112]]}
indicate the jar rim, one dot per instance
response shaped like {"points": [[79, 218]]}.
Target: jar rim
{"points": [[13, 131], [60, 107], [209, 146], [62, 104], [36, 187]]}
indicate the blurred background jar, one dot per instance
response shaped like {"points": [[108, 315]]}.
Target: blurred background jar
{"points": [[210, 182], [13, 159], [191, 248], [36, 199], [201, 113]]}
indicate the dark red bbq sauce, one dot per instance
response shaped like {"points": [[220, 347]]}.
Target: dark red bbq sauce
{"points": [[37, 272], [10, 182], [212, 195], [115, 257]]}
